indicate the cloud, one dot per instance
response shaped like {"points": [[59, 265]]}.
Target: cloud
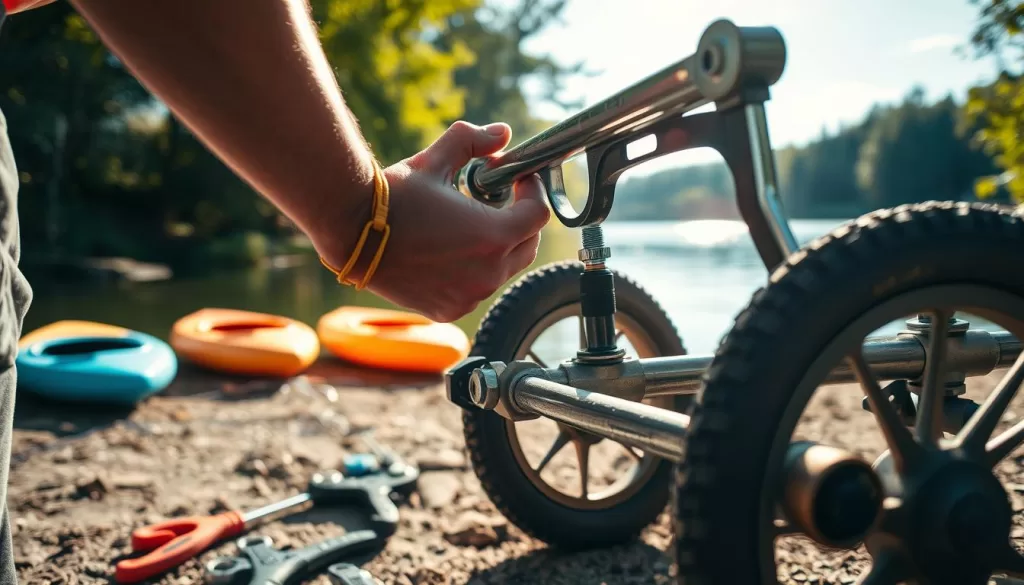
{"points": [[934, 42]]}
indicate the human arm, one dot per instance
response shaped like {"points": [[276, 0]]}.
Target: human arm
{"points": [[252, 82]]}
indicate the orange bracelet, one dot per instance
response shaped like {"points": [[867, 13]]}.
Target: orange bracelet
{"points": [[379, 222]]}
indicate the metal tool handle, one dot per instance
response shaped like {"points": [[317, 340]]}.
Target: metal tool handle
{"points": [[729, 61], [324, 553], [349, 574]]}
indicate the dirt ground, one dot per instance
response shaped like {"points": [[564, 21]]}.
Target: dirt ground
{"points": [[82, 480]]}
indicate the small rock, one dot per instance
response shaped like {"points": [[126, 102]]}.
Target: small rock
{"points": [[133, 481], [91, 487], [428, 576], [476, 530], [438, 488], [444, 459], [63, 455], [260, 487]]}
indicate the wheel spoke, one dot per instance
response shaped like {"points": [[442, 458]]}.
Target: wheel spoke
{"points": [[900, 441], [583, 456], [633, 452], [886, 569], [975, 434], [533, 356], [929, 411], [1000, 447], [560, 442]]}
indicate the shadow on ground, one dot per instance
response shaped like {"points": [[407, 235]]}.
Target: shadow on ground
{"points": [[634, 563]]}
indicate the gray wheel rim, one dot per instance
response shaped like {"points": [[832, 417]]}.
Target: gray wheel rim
{"points": [[644, 465]]}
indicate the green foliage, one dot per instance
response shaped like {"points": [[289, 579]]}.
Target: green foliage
{"points": [[497, 31], [997, 109], [398, 83], [106, 171]]}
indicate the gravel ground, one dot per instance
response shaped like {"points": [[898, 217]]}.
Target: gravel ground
{"points": [[81, 481]]}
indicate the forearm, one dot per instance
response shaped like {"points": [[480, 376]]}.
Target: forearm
{"points": [[250, 80]]}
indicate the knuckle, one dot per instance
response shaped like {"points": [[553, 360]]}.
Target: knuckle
{"points": [[460, 127]]}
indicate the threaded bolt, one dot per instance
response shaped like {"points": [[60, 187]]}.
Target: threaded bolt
{"points": [[593, 237]]}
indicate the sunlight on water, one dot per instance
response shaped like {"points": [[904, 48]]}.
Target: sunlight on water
{"points": [[707, 233], [702, 272]]}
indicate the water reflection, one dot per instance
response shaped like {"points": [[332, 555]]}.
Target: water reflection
{"points": [[702, 272]]}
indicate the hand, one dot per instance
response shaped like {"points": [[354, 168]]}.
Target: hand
{"points": [[448, 252]]}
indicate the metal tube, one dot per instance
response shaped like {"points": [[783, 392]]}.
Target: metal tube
{"points": [[668, 92], [656, 430], [765, 178], [729, 60], [894, 358]]}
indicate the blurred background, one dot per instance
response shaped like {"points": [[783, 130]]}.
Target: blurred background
{"points": [[127, 219]]}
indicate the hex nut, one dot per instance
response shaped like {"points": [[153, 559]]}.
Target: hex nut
{"points": [[484, 387]]}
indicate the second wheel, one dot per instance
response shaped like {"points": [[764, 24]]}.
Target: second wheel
{"points": [[563, 486]]}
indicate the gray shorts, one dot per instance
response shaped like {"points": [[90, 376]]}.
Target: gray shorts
{"points": [[15, 298]]}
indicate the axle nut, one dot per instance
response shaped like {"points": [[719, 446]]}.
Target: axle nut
{"points": [[484, 389], [591, 255]]}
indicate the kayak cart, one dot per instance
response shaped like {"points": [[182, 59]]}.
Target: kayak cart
{"points": [[714, 434]]}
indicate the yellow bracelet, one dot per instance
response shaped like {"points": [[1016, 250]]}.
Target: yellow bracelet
{"points": [[379, 222]]}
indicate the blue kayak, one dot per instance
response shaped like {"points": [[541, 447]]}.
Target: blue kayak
{"points": [[123, 368]]}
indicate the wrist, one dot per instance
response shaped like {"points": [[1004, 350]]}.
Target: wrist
{"points": [[352, 234], [338, 221]]}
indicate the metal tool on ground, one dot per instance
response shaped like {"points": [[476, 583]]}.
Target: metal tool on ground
{"points": [[259, 563], [349, 574], [175, 541]]}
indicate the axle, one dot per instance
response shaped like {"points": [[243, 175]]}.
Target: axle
{"points": [[604, 398]]}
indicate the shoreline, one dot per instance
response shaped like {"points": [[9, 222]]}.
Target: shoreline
{"points": [[81, 481]]}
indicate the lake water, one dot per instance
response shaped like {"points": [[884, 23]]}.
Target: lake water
{"points": [[702, 272]]}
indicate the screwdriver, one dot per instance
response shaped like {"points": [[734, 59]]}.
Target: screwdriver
{"points": [[179, 539]]}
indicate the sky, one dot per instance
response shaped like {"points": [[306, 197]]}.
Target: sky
{"points": [[843, 55]]}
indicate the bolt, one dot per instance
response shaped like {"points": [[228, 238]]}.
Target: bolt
{"points": [[594, 252], [484, 389]]}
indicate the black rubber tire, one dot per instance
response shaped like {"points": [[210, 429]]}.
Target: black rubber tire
{"points": [[501, 332], [813, 297]]}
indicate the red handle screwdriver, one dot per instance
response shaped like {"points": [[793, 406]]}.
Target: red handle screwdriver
{"points": [[174, 541]]}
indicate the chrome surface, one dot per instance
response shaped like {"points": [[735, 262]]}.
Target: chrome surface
{"points": [[765, 178], [653, 429]]}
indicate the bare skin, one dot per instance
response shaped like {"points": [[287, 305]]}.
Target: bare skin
{"points": [[250, 79]]}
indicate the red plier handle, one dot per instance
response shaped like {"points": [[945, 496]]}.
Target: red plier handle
{"points": [[173, 542], [12, 6]]}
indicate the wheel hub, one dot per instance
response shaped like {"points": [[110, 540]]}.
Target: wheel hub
{"points": [[954, 519]]}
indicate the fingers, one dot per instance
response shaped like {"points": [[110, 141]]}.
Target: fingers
{"points": [[529, 211], [522, 256], [461, 143]]}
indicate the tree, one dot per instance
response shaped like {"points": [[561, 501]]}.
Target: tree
{"points": [[93, 146], [998, 108], [494, 80]]}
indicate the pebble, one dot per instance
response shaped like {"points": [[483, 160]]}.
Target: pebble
{"points": [[443, 459], [475, 529], [438, 488]]}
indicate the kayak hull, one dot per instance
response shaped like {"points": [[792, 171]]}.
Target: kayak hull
{"points": [[79, 361], [391, 340], [245, 343]]}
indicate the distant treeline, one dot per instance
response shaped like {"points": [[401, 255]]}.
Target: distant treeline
{"points": [[909, 152]]}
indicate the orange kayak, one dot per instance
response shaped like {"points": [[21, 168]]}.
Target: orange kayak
{"points": [[71, 328], [392, 340], [246, 343]]}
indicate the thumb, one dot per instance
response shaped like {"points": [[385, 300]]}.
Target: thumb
{"points": [[529, 212], [461, 143]]}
